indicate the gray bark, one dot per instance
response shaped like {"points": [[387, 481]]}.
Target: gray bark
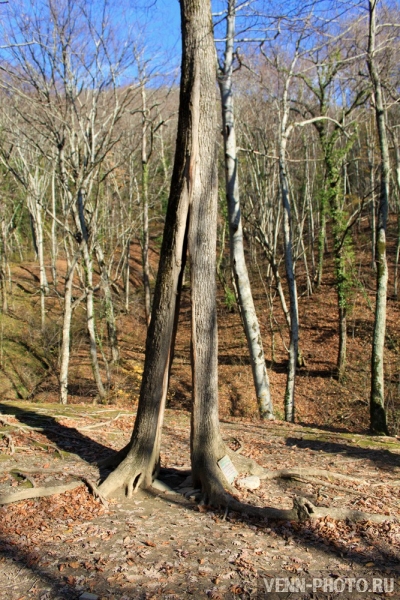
{"points": [[109, 305], [285, 129], [145, 209], [66, 331], [245, 298], [194, 185], [378, 423]]}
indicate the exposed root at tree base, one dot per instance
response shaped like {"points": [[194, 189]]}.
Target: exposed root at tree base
{"points": [[302, 510], [217, 493], [248, 465], [132, 472]]}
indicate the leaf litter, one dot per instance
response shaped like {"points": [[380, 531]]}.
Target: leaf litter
{"points": [[159, 545]]}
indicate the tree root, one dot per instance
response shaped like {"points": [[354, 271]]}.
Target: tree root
{"points": [[39, 492], [333, 486], [310, 472], [9, 442], [303, 510], [103, 424], [92, 487], [248, 465], [217, 493], [129, 475]]}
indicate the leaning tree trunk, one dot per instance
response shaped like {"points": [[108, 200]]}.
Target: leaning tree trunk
{"points": [[378, 423], [138, 461], [245, 298], [194, 185]]}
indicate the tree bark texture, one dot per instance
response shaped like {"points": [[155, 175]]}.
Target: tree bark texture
{"points": [[207, 446], [145, 211], [191, 185]]}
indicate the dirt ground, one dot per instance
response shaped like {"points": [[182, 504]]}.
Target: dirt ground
{"points": [[163, 545]]}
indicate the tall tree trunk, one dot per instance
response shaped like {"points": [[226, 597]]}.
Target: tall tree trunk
{"points": [[371, 166], [321, 238], [109, 305], [80, 223], [397, 178], [66, 331], [127, 273], [285, 129], [207, 446], [3, 265], [53, 230], [378, 423], [194, 184], [37, 228], [291, 279], [145, 210], [333, 187], [245, 298]]}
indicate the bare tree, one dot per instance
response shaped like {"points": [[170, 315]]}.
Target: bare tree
{"points": [[69, 81], [245, 298]]}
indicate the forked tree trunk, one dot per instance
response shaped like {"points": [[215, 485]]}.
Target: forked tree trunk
{"points": [[245, 298], [194, 183], [378, 423], [80, 223]]}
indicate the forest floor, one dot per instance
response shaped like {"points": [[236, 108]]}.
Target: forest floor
{"points": [[163, 545], [159, 545]]}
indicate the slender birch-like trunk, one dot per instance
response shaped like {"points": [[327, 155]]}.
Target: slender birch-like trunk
{"points": [[285, 130], [378, 422], [66, 331], [291, 279], [241, 277], [371, 166], [53, 230], [397, 171]]}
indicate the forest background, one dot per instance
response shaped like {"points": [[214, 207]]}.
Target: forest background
{"points": [[88, 117]]}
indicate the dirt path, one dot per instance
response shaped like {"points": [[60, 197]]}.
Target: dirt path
{"points": [[161, 545]]}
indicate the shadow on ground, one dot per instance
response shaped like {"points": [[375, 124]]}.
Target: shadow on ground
{"points": [[65, 438]]}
